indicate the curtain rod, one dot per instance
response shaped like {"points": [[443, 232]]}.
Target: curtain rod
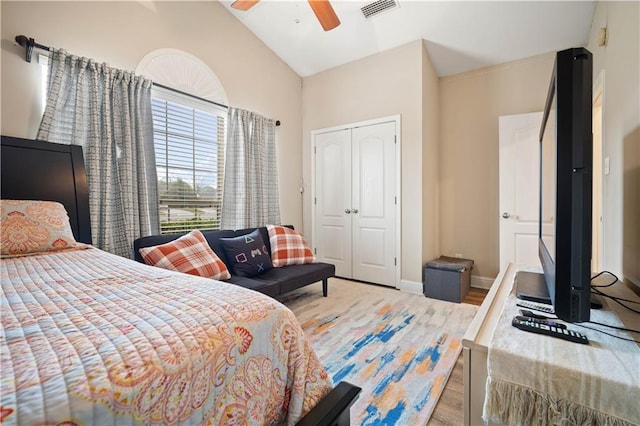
{"points": [[171, 89], [29, 44]]}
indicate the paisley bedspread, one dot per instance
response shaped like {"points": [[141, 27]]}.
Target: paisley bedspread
{"points": [[88, 337]]}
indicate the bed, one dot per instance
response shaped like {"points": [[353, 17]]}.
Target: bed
{"points": [[88, 337]]}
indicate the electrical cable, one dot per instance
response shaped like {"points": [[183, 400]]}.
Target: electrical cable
{"points": [[614, 326], [617, 300], [605, 285], [616, 297], [609, 334]]}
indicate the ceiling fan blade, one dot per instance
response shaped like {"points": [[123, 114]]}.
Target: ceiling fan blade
{"points": [[244, 4], [325, 14]]}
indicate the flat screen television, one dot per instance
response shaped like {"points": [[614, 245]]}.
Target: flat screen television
{"points": [[566, 157]]}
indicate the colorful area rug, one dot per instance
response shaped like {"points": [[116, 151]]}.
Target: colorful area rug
{"points": [[398, 347]]}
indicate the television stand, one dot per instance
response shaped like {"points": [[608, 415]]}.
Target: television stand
{"points": [[604, 363], [531, 286]]}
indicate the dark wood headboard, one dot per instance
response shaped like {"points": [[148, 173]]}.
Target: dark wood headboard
{"points": [[37, 170]]}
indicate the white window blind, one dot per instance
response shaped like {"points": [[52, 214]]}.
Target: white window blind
{"points": [[189, 137]]}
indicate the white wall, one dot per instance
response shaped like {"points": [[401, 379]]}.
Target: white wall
{"points": [[620, 61], [470, 104], [381, 85], [430, 159], [122, 33]]}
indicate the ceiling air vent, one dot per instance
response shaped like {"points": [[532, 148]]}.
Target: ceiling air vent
{"points": [[378, 7]]}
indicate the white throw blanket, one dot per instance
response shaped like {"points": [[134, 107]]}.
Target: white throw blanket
{"points": [[537, 379]]}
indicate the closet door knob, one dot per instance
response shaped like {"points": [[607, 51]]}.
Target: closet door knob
{"points": [[506, 215], [347, 211], [355, 211]]}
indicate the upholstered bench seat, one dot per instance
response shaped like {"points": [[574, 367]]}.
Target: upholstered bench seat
{"points": [[274, 282]]}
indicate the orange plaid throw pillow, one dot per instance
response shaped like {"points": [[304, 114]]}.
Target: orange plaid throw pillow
{"points": [[288, 247], [190, 254]]}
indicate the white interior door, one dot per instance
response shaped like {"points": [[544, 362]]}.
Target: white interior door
{"points": [[333, 228], [519, 152], [373, 203]]}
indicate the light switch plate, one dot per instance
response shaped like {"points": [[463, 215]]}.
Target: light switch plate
{"points": [[606, 165]]}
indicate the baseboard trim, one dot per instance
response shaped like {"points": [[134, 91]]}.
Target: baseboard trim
{"points": [[481, 282], [411, 286]]}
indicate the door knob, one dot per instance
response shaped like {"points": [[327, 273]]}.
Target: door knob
{"points": [[347, 211], [506, 215], [355, 210]]}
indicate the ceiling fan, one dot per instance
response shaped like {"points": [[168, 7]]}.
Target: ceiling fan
{"points": [[322, 8]]}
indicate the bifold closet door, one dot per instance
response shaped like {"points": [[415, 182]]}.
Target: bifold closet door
{"points": [[373, 203], [355, 211], [332, 199]]}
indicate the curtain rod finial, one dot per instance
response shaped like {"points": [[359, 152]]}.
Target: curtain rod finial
{"points": [[277, 123], [22, 40]]}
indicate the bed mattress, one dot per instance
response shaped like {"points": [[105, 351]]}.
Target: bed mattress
{"points": [[88, 337]]}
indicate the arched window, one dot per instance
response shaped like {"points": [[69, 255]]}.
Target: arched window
{"points": [[189, 120]]}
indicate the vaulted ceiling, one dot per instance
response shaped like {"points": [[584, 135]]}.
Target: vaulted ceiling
{"points": [[459, 35]]}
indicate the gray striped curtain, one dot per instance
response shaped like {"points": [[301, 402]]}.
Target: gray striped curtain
{"points": [[107, 112], [250, 198]]}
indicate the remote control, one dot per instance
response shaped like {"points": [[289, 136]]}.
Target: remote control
{"points": [[535, 306], [545, 321], [562, 333], [530, 314]]}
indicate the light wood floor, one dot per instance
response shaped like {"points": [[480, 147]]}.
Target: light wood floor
{"points": [[449, 410]]}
